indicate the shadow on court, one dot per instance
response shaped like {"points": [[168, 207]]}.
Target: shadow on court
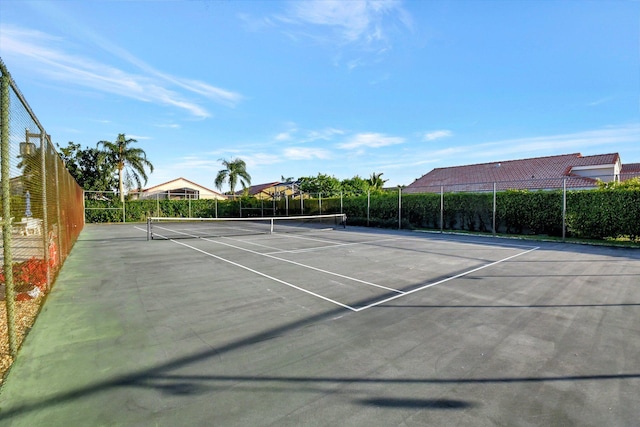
{"points": [[283, 361]]}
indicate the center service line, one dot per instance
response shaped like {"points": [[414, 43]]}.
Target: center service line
{"points": [[306, 266], [264, 275]]}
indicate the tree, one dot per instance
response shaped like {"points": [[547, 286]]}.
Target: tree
{"points": [[376, 182], [234, 171], [85, 168], [326, 185], [130, 162], [355, 186], [286, 179]]}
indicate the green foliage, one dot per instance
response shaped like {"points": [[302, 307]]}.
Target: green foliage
{"points": [[129, 162], [593, 214], [234, 171], [629, 184], [354, 186], [376, 182], [327, 186], [85, 168]]}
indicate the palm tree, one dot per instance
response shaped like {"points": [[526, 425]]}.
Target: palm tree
{"points": [[234, 171], [130, 162], [376, 182]]}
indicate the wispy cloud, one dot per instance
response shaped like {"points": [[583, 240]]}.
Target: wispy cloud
{"points": [[293, 133], [306, 153], [371, 140], [46, 54], [437, 134], [366, 25], [600, 101]]}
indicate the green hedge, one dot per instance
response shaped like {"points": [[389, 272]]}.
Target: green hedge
{"points": [[596, 214]]}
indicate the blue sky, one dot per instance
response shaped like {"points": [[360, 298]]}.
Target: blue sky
{"points": [[344, 88]]}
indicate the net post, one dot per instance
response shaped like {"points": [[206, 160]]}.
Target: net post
{"points": [[271, 226], [148, 228]]}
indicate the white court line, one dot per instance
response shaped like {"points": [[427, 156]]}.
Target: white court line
{"points": [[321, 248], [400, 293], [305, 266], [444, 280], [264, 275]]}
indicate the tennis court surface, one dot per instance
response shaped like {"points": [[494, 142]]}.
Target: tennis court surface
{"points": [[357, 327]]}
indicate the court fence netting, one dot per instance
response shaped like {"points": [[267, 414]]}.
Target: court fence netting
{"points": [[570, 206], [42, 210], [185, 228]]}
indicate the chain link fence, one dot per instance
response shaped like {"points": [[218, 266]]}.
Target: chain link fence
{"points": [[42, 206]]}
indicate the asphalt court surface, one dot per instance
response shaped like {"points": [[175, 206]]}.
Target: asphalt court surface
{"points": [[355, 271], [358, 327]]}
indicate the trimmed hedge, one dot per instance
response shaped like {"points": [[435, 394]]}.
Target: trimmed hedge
{"points": [[595, 214]]}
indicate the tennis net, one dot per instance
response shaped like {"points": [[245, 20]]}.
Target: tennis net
{"points": [[189, 228]]}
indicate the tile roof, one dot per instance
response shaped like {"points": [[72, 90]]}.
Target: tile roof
{"points": [[534, 173], [256, 189], [631, 170]]}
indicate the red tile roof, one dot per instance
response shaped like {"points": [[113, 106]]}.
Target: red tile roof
{"points": [[257, 189], [534, 173], [631, 170]]}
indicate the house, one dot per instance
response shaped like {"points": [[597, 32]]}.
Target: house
{"points": [[271, 190], [177, 189], [542, 173], [629, 171]]}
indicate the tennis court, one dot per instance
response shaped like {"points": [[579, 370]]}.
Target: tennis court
{"points": [[346, 327]]}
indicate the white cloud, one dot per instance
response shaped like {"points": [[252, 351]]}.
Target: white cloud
{"points": [[371, 140], [306, 153], [366, 25], [47, 55], [430, 136]]}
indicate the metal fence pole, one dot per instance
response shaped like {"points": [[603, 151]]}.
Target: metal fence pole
{"points": [[45, 207], [341, 202], [368, 206], [320, 203], [399, 207], [564, 208], [441, 208], [494, 209], [6, 214]]}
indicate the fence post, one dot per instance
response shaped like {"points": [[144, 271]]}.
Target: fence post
{"points": [[341, 203], [494, 209], [6, 213], [320, 203], [399, 207], [368, 206], [564, 208], [45, 207], [441, 208]]}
